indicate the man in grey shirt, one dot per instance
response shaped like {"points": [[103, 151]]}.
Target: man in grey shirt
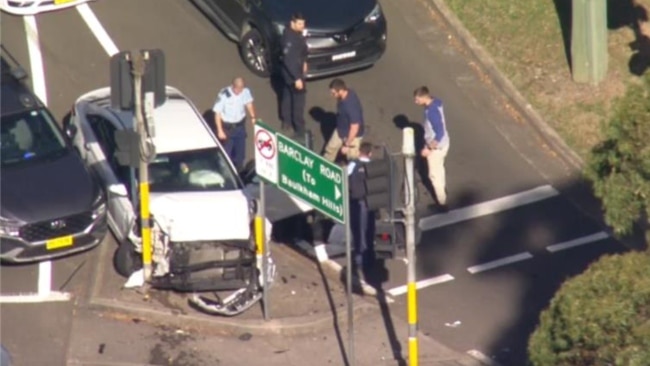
{"points": [[436, 140]]}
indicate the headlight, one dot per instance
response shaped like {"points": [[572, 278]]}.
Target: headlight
{"points": [[374, 14], [10, 227], [99, 205]]}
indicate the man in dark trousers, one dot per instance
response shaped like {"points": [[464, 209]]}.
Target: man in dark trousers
{"points": [[293, 70], [229, 118], [362, 221]]}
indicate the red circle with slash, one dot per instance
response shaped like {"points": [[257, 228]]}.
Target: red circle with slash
{"points": [[264, 144]]}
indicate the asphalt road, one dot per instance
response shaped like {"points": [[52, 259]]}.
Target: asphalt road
{"points": [[493, 155]]}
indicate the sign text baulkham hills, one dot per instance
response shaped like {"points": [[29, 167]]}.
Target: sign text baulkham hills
{"points": [[310, 177]]}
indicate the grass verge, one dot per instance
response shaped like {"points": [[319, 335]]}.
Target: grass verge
{"points": [[526, 40]]}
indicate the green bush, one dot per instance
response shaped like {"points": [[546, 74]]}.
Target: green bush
{"points": [[619, 167], [600, 317]]}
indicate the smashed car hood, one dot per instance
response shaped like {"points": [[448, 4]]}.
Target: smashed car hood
{"points": [[199, 216]]}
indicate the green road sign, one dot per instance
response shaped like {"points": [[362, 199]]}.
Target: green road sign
{"points": [[308, 176]]}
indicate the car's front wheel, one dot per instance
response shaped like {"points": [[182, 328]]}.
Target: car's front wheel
{"points": [[255, 53], [126, 259]]}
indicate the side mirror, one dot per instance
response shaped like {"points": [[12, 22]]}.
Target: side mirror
{"points": [[118, 190], [70, 130]]}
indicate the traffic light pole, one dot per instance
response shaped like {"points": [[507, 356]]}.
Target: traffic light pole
{"points": [[262, 248], [589, 41], [408, 149], [138, 69], [348, 274]]}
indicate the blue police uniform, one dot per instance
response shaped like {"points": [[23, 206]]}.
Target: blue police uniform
{"points": [[362, 221], [232, 109]]}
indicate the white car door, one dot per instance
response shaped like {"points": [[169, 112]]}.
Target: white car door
{"points": [[99, 146]]}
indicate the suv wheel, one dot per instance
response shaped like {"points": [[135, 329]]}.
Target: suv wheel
{"points": [[126, 260], [255, 53]]}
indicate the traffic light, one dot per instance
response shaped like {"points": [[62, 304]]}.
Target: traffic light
{"points": [[380, 179], [378, 182], [121, 76]]}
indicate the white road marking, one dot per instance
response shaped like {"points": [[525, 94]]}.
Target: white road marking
{"points": [[98, 30], [482, 357], [499, 262], [488, 208], [321, 253], [44, 278], [576, 242], [38, 85], [401, 290], [35, 58], [34, 298]]}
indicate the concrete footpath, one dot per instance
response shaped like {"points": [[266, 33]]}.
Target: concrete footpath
{"points": [[115, 326]]}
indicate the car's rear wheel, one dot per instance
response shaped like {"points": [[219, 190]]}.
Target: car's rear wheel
{"points": [[255, 53], [126, 260]]}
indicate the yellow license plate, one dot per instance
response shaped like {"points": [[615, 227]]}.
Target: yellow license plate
{"points": [[59, 2], [60, 242]]}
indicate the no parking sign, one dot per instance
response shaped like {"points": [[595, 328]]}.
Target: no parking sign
{"points": [[266, 153]]}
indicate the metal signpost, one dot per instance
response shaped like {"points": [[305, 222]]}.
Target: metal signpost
{"points": [[408, 149], [306, 175], [266, 168]]}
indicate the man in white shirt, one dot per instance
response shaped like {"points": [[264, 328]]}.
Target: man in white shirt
{"points": [[230, 110]]}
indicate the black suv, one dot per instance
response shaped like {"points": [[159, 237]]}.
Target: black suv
{"points": [[50, 204], [342, 35]]}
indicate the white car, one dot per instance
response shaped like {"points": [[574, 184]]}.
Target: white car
{"points": [[31, 7], [196, 195]]}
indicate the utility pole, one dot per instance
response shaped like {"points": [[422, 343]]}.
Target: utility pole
{"points": [[262, 248], [131, 74], [589, 41], [408, 149], [138, 69]]}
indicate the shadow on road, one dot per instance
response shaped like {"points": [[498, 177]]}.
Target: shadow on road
{"points": [[277, 85], [327, 122], [375, 277], [335, 321]]}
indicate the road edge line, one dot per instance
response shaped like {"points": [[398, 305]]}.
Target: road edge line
{"points": [[483, 267], [30, 298], [588, 239], [39, 86], [428, 282], [97, 29], [490, 207]]}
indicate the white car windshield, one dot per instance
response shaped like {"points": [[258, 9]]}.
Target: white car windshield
{"points": [[30, 136], [192, 171]]}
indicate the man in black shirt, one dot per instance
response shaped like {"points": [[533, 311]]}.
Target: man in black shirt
{"points": [[350, 129], [294, 67]]}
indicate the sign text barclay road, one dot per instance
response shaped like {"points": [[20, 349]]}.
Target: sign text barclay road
{"points": [[310, 177]]}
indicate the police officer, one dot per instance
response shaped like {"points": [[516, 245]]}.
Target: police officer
{"points": [[230, 116], [293, 70], [362, 221]]}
